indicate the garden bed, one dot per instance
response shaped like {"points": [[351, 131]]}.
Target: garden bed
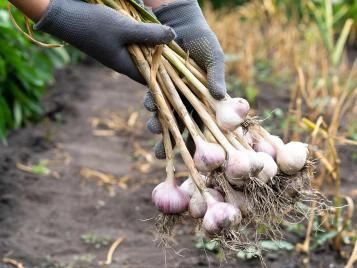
{"points": [[66, 219]]}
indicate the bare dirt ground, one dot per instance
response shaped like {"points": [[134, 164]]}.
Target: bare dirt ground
{"points": [[66, 220]]}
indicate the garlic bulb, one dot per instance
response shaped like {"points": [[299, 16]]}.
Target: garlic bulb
{"points": [[238, 200], [219, 216], [189, 186], [264, 146], [256, 162], [198, 206], [270, 167], [246, 136], [208, 156], [292, 157], [238, 165], [231, 113], [169, 198]]}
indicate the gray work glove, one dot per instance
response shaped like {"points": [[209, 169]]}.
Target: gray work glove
{"points": [[194, 36], [102, 33]]}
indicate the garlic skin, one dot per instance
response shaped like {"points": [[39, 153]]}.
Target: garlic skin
{"points": [[246, 136], [170, 199], [292, 157], [231, 113], [198, 206], [238, 165], [270, 167], [238, 200], [276, 141], [219, 216], [265, 147], [208, 156], [256, 162], [189, 186]]}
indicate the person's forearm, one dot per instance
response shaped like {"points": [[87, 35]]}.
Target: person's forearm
{"points": [[33, 9], [157, 3]]}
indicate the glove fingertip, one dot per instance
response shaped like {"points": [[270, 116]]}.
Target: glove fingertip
{"points": [[218, 93], [167, 35], [160, 151], [217, 86], [149, 102], [154, 125]]}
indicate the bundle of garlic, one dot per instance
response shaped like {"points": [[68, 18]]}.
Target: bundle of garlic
{"points": [[239, 173]]}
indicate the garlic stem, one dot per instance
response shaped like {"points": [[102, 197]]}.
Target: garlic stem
{"points": [[175, 100], [166, 113], [170, 56], [199, 107], [232, 139], [202, 77], [208, 156], [170, 168], [180, 52]]}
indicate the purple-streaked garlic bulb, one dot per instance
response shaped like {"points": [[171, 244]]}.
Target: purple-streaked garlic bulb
{"points": [[169, 198], [231, 113]]}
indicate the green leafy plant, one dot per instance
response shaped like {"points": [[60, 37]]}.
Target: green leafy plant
{"points": [[25, 72]]}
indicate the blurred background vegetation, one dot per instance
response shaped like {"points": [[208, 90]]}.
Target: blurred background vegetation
{"points": [[26, 70]]}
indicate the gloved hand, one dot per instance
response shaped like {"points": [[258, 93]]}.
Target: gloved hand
{"points": [[195, 36], [102, 33]]}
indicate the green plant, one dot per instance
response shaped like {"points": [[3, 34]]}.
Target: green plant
{"points": [[25, 72], [94, 240], [210, 246], [326, 20]]}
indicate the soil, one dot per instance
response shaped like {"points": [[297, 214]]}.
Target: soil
{"points": [[67, 220]]}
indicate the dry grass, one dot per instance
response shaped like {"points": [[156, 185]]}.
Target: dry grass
{"points": [[255, 34], [323, 96]]}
